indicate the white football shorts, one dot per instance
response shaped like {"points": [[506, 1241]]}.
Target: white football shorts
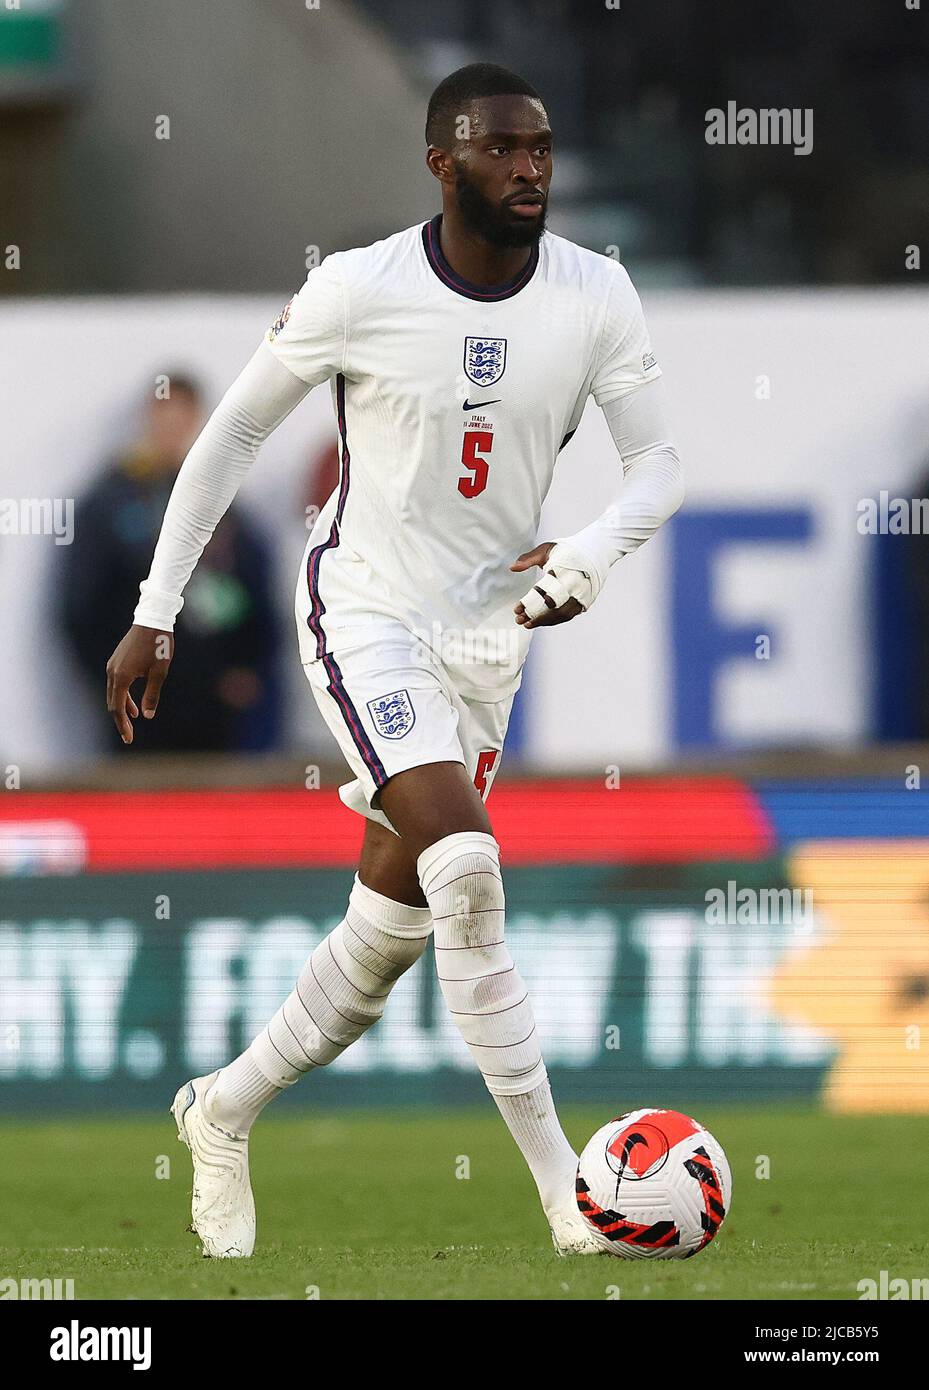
{"points": [[392, 705]]}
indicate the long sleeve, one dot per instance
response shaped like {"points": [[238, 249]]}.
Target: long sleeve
{"points": [[261, 397], [652, 487]]}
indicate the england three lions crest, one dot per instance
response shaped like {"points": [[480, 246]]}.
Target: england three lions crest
{"points": [[484, 360], [280, 323], [393, 714]]}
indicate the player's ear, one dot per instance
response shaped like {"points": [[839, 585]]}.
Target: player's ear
{"points": [[439, 164]]}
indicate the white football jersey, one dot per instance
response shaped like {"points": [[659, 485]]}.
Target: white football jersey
{"points": [[453, 401]]}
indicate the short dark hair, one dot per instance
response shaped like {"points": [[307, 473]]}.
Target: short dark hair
{"points": [[461, 87]]}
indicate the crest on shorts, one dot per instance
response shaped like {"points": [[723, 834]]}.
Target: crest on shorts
{"points": [[393, 714], [484, 360]]}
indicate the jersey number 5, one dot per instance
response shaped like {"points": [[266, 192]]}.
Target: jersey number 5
{"points": [[476, 443]]}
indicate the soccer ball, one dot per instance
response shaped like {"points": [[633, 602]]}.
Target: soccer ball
{"points": [[653, 1184]]}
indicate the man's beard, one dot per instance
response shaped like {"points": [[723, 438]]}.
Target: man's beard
{"points": [[489, 220]]}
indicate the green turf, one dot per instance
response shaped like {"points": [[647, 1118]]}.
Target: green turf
{"points": [[363, 1205]]}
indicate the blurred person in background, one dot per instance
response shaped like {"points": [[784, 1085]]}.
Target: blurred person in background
{"points": [[230, 629]]}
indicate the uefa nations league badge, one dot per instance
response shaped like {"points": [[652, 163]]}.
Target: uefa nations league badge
{"points": [[484, 360]]}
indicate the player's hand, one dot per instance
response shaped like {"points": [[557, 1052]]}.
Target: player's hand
{"points": [[548, 600], [144, 651]]}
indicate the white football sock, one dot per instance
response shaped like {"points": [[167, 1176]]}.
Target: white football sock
{"points": [[341, 991], [238, 1095], [460, 876], [533, 1123]]}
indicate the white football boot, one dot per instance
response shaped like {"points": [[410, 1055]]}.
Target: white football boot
{"points": [[571, 1234], [222, 1206]]}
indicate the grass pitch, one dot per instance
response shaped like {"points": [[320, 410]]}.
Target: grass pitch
{"points": [[361, 1205]]}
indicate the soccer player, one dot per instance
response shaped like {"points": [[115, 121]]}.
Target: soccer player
{"points": [[461, 354]]}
